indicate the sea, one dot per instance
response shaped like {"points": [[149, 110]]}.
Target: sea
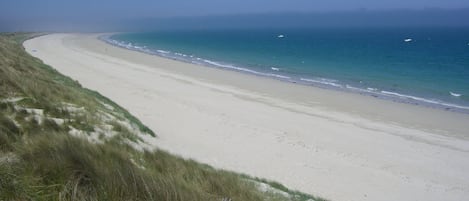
{"points": [[421, 66]]}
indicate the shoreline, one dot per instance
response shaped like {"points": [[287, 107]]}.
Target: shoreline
{"points": [[336, 145], [318, 82], [400, 109]]}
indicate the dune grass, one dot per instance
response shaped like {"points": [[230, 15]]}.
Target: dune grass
{"points": [[59, 141]]}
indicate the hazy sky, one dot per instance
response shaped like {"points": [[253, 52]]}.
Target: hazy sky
{"points": [[158, 8], [26, 13]]}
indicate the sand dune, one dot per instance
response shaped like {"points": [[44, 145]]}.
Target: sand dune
{"points": [[333, 144]]}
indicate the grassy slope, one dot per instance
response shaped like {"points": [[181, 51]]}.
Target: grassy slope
{"points": [[59, 141]]}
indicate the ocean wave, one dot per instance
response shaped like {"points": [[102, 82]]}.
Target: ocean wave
{"points": [[455, 94], [367, 90], [180, 54], [214, 63], [229, 66], [375, 91], [322, 81], [436, 102], [278, 76], [163, 51], [395, 95], [275, 69]]}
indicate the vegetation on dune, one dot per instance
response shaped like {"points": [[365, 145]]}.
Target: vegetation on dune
{"points": [[59, 141]]}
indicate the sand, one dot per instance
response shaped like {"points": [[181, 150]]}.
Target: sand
{"points": [[337, 145]]}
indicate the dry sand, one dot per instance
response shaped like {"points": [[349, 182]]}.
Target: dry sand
{"points": [[337, 145]]}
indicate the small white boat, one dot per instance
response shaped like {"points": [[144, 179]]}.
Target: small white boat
{"points": [[408, 40], [454, 94], [280, 36]]}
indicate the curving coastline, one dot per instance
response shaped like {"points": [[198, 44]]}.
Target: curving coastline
{"points": [[276, 73], [341, 146]]}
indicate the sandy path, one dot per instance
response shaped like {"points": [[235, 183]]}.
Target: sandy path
{"points": [[306, 138]]}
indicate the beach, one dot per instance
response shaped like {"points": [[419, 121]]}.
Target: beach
{"points": [[337, 145]]}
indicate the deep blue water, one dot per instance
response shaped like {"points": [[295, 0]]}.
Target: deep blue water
{"points": [[376, 62]]}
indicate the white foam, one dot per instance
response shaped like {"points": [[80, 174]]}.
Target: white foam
{"points": [[403, 96], [455, 94], [180, 54], [228, 66], [163, 52], [368, 90], [327, 80], [278, 76], [275, 69], [322, 81]]}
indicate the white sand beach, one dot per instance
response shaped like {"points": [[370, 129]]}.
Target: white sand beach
{"points": [[337, 145]]}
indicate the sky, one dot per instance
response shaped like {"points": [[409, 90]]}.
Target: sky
{"points": [[24, 14]]}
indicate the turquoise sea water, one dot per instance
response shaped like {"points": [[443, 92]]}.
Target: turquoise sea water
{"points": [[430, 69]]}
